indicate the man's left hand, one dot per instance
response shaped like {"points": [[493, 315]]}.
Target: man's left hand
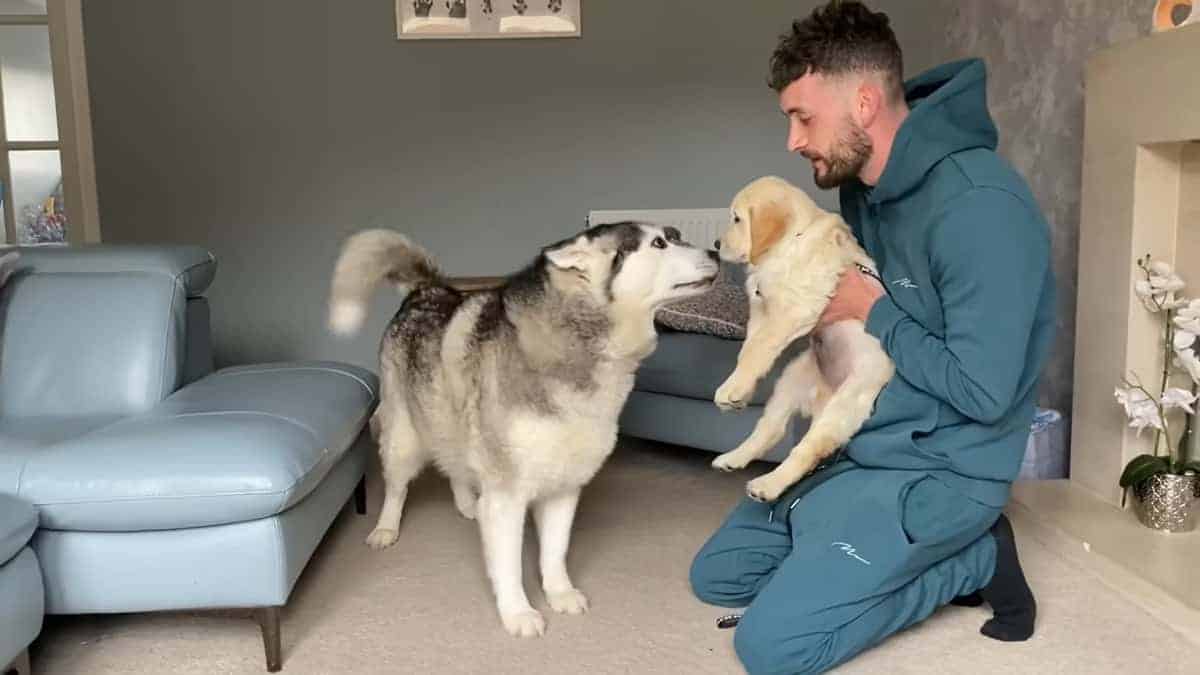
{"points": [[856, 293]]}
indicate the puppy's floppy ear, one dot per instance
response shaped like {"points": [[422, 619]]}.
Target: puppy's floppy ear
{"points": [[768, 223], [570, 255]]}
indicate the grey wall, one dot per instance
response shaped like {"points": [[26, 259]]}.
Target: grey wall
{"points": [[271, 131], [1035, 52]]}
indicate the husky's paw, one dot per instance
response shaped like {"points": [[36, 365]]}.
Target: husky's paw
{"points": [[525, 623], [570, 601], [381, 538], [733, 395], [730, 461], [467, 508], [765, 488], [466, 500]]}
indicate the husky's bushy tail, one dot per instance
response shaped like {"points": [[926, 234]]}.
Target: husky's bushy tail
{"points": [[368, 259]]}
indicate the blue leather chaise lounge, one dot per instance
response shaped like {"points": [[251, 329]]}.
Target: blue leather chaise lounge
{"points": [[158, 483]]}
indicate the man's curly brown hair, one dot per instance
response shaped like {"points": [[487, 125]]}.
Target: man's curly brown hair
{"points": [[839, 38]]}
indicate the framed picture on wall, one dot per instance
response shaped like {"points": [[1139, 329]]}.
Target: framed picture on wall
{"points": [[465, 19]]}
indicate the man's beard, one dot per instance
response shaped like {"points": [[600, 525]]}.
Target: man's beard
{"points": [[846, 160]]}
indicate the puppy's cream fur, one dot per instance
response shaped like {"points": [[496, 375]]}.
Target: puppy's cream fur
{"points": [[796, 252]]}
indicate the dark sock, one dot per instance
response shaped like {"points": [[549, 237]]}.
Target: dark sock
{"points": [[971, 600], [1013, 606]]}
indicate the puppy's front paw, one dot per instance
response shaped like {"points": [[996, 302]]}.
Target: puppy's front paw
{"points": [[570, 601], [524, 623], [730, 461], [381, 538], [765, 488], [733, 395]]}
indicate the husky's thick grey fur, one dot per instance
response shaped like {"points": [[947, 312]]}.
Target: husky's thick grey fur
{"points": [[513, 393]]}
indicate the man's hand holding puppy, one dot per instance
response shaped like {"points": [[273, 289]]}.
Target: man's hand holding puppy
{"points": [[855, 296]]}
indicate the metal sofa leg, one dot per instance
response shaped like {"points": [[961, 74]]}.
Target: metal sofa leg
{"points": [[20, 666], [360, 497], [268, 620]]}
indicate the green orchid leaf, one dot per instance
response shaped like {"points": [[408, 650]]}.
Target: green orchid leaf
{"points": [[1142, 467]]}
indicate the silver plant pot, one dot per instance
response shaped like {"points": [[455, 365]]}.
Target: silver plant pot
{"points": [[1168, 502]]}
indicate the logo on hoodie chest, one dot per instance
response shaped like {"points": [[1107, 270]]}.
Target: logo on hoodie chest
{"points": [[914, 300]]}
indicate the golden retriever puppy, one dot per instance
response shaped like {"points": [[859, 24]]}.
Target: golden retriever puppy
{"points": [[796, 253]]}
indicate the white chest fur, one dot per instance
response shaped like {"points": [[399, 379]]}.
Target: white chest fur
{"points": [[567, 447]]}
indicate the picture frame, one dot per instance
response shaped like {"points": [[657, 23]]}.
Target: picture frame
{"points": [[484, 19]]}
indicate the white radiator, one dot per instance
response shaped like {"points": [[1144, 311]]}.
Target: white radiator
{"points": [[699, 227]]}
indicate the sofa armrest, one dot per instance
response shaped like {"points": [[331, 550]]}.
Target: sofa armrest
{"points": [[18, 521], [239, 444]]}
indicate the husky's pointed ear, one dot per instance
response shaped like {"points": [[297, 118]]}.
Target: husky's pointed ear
{"points": [[570, 255]]}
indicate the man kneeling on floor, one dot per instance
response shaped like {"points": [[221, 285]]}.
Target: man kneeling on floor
{"points": [[909, 517]]}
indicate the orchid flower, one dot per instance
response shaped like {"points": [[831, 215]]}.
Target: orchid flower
{"points": [[1157, 291], [1140, 408], [1174, 397]]}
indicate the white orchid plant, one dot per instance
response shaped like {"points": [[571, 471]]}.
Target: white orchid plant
{"points": [[1159, 291]]}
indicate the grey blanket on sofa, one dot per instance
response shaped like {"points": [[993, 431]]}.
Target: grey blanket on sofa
{"points": [[722, 311]]}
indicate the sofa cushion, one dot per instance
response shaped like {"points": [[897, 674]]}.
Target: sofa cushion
{"points": [[93, 330], [22, 437], [18, 520], [240, 444], [695, 366]]}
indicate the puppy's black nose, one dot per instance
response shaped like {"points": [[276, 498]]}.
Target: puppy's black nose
{"points": [[713, 256], [717, 244]]}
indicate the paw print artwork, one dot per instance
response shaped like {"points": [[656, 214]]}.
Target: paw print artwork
{"points": [[421, 8], [554, 6], [520, 7], [458, 9]]}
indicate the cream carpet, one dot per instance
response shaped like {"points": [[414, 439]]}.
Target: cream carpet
{"points": [[424, 605]]}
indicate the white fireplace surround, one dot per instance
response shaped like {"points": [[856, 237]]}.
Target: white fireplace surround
{"points": [[1141, 194]]}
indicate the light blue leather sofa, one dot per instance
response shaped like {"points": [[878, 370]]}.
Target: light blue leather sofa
{"points": [[21, 596], [160, 484]]}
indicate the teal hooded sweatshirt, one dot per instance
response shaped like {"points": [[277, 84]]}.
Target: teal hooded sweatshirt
{"points": [[969, 315]]}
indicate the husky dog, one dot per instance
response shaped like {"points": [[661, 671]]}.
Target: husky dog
{"points": [[513, 393]]}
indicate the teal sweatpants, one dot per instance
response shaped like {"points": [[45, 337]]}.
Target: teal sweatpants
{"points": [[847, 557]]}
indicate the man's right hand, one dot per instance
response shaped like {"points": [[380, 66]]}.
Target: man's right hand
{"points": [[853, 298]]}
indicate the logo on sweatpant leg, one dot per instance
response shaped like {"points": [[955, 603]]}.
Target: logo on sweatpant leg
{"points": [[851, 551]]}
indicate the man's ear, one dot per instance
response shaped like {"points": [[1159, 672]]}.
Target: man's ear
{"points": [[868, 102], [768, 223], [572, 255]]}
